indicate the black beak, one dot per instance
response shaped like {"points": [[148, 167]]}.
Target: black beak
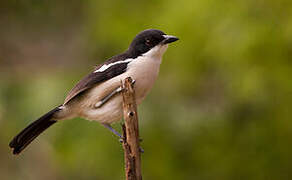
{"points": [[169, 39]]}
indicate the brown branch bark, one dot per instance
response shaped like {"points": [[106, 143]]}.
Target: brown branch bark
{"points": [[131, 133]]}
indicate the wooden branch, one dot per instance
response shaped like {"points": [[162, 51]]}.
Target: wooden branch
{"points": [[131, 133]]}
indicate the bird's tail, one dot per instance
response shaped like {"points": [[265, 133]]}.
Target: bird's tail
{"points": [[27, 135]]}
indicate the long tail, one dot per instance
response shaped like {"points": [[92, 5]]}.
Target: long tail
{"points": [[27, 135]]}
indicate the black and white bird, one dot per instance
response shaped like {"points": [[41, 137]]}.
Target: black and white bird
{"points": [[97, 96]]}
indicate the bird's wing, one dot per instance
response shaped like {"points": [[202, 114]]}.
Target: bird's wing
{"points": [[102, 73]]}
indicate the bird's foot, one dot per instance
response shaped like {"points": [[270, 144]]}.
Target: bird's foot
{"points": [[121, 140]]}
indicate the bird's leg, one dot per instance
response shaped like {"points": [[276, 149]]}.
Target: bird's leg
{"points": [[106, 98], [108, 126]]}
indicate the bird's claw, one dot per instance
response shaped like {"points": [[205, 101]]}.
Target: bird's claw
{"points": [[121, 140]]}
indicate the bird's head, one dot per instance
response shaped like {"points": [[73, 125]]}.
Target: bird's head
{"points": [[150, 42]]}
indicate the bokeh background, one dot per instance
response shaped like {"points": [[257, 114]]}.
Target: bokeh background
{"points": [[221, 108]]}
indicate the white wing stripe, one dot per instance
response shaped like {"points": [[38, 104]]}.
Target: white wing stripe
{"points": [[106, 66]]}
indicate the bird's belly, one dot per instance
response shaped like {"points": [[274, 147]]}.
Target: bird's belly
{"points": [[112, 111]]}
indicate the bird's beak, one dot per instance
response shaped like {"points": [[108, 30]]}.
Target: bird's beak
{"points": [[169, 39]]}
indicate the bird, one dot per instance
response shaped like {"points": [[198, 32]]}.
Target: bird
{"points": [[97, 96]]}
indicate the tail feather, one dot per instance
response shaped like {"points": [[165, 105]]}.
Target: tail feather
{"points": [[27, 135]]}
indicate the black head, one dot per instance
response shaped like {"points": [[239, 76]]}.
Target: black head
{"points": [[148, 39]]}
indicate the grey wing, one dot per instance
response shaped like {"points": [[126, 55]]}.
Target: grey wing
{"points": [[95, 78]]}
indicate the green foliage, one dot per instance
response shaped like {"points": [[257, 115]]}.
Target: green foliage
{"points": [[219, 110]]}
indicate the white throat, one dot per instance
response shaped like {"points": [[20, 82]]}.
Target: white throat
{"points": [[156, 52]]}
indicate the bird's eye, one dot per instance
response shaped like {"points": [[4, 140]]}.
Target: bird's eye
{"points": [[147, 42]]}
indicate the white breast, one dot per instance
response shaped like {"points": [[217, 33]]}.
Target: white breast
{"points": [[144, 71]]}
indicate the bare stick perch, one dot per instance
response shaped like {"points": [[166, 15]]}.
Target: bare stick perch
{"points": [[131, 133]]}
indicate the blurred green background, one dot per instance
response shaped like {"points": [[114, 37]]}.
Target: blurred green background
{"points": [[220, 108]]}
